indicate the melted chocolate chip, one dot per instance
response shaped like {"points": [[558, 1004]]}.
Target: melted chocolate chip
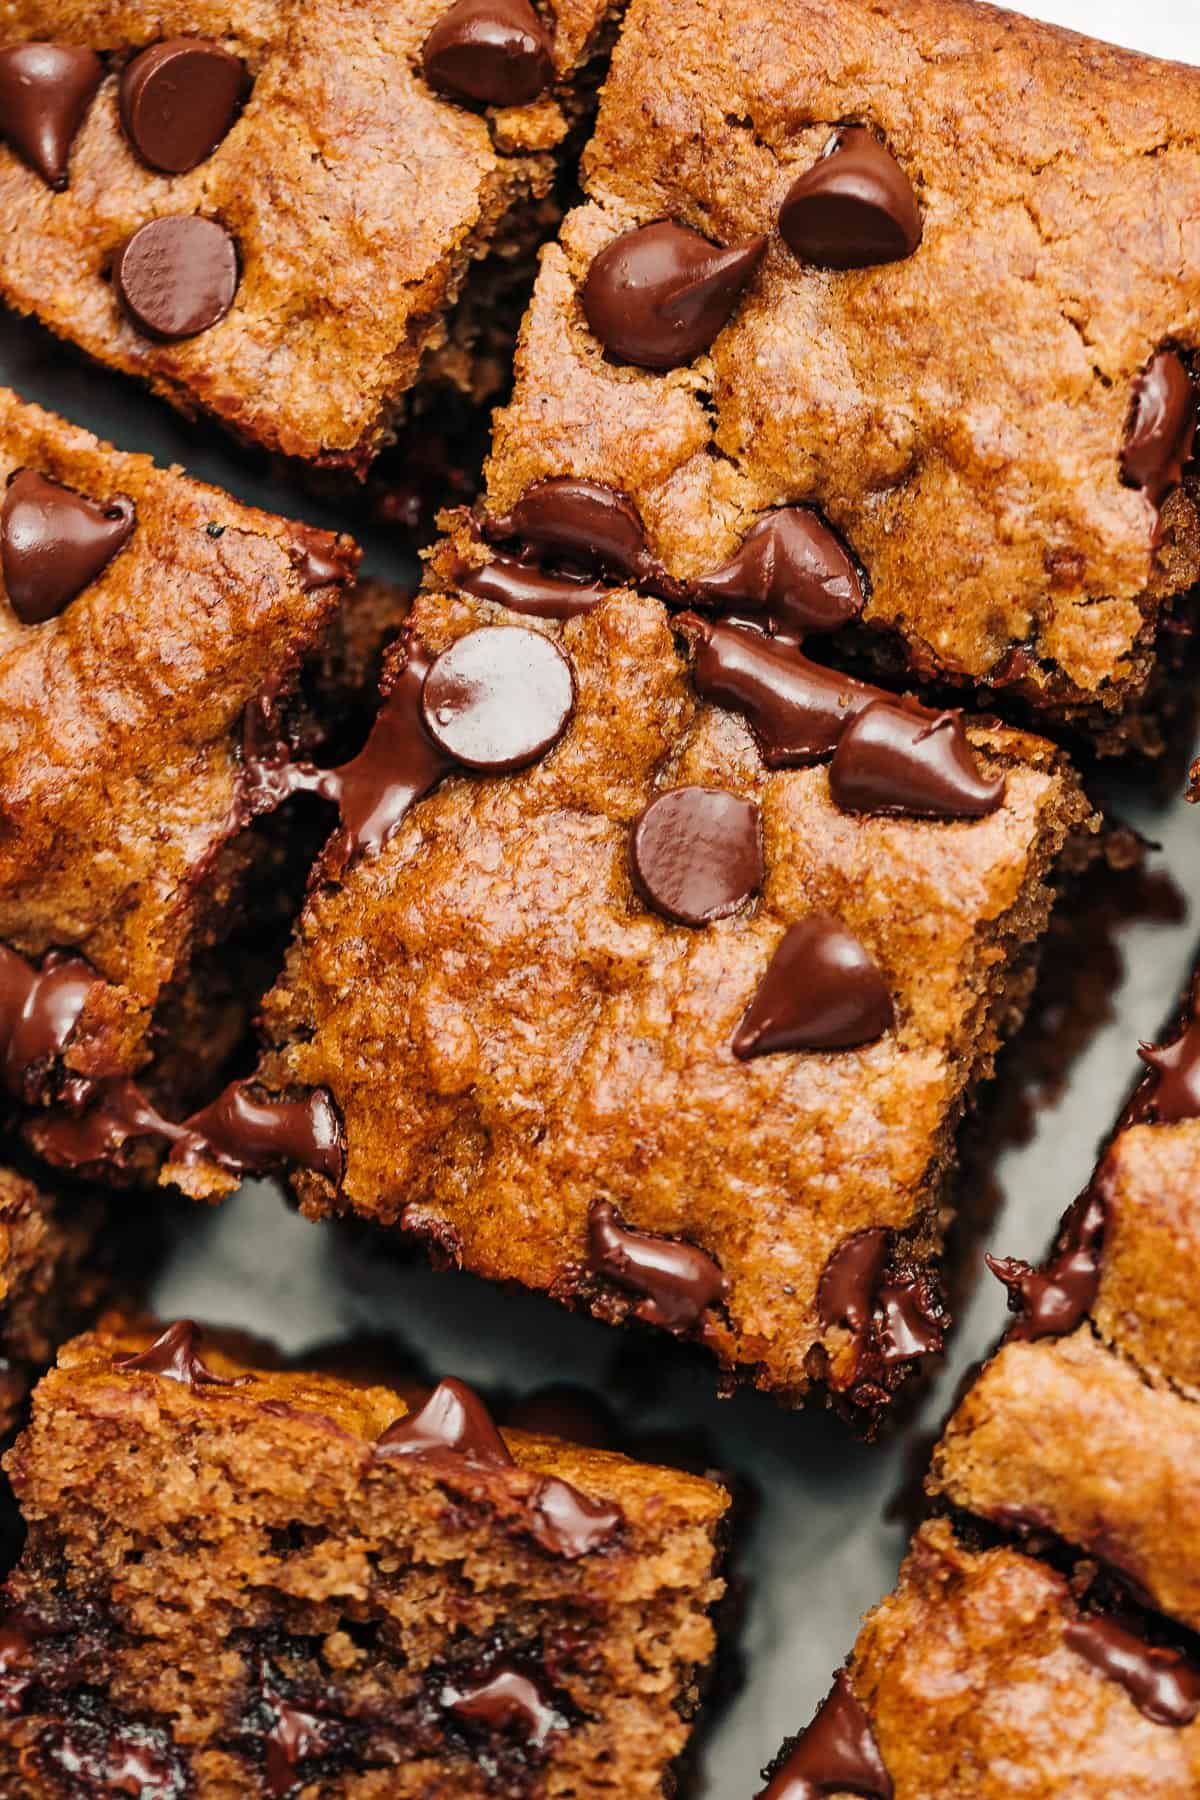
{"points": [[585, 524], [796, 709], [568, 1523], [117, 1112], [296, 1734], [454, 1420], [175, 1354], [1176, 1093], [506, 1700], [793, 568], [494, 51], [523, 589], [657, 296], [498, 698], [846, 1292], [1055, 1299], [178, 100], [696, 854], [677, 1281], [821, 991], [1162, 427], [16, 1648], [53, 542], [177, 276], [45, 89], [895, 1313], [837, 1754], [249, 1136], [323, 559], [891, 760], [39, 1009], [854, 208], [1162, 1684], [102, 1758]]}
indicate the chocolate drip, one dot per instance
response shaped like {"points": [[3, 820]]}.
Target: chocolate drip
{"points": [[820, 991], [854, 208], [894, 1311], [796, 709], [1161, 433], [658, 295], [1176, 1093], [45, 90], [891, 760], [791, 567], [505, 1700], [568, 1523], [522, 588], [39, 1009], [323, 559], [591, 528], [1055, 1299], [54, 542], [117, 1112], [496, 52], [837, 1754], [453, 1420], [1162, 1684], [175, 1354], [678, 1281], [249, 1136]]}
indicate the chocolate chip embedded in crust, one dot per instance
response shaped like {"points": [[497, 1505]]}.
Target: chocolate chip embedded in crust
{"points": [[453, 1419], [657, 296], [494, 51], [677, 1280], [854, 208], [791, 566], [892, 760], [568, 1523], [696, 854], [39, 1009], [252, 1136], [592, 527], [523, 589], [175, 1355], [505, 1700], [1163, 1684], [177, 277], [178, 100], [53, 542], [45, 89], [498, 698], [836, 1754], [821, 991], [1162, 427]]}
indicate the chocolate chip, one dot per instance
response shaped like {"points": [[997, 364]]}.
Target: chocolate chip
{"points": [[506, 1700], [568, 1523], [894, 1310], [836, 1754], [792, 567], [297, 1734], [893, 760], [45, 89], [1162, 1683], [696, 854], [493, 51], [175, 1355], [1055, 1299], [1162, 427], [53, 542], [100, 1755], [178, 99], [821, 991], [250, 1136], [523, 589], [1176, 1093], [796, 709], [592, 527], [498, 698], [324, 559], [657, 296], [855, 207], [177, 276], [39, 1009], [454, 1420], [677, 1280]]}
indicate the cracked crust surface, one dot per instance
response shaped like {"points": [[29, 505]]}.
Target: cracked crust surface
{"points": [[958, 416], [509, 1034], [357, 197]]}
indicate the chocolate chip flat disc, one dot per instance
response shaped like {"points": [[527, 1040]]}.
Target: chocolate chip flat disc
{"points": [[821, 991], [853, 208], [494, 51], [178, 99], [696, 854], [45, 89], [177, 276], [53, 542], [498, 698], [658, 296]]}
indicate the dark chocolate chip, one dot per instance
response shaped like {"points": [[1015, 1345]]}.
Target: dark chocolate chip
{"points": [[39, 1009], [836, 1754], [117, 1112], [100, 1757], [178, 100], [494, 51], [657, 296], [821, 991], [1176, 1093], [591, 527], [323, 559], [1055, 1299], [175, 1353], [1162, 1683], [791, 567], [177, 276], [568, 1523], [846, 1291], [1162, 427], [523, 589], [854, 208], [892, 760], [505, 1700], [498, 698], [45, 89], [796, 709], [453, 1420], [894, 1311], [249, 1136], [53, 542], [677, 1281], [696, 854], [297, 1734]]}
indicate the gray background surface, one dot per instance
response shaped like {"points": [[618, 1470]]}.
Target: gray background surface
{"points": [[819, 1550]]}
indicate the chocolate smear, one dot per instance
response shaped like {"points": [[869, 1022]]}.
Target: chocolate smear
{"points": [[854, 208], [837, 1754], [453, 1420], [1055, 1299], [45, 90], [821, 991], [890, 759], [505, 1700], [591, 528], [894, 1310], [1176, 1093], [524, 589], [1161, 433], [175, 1354], [496, 52], [39, 1009], [498, 698], [677, 1281], [250, 1136], [53, 542], [792, 568], [568, 1523], [696, 854], [178, 99], [1162, 1683], [658, 295], [176, 276]]}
